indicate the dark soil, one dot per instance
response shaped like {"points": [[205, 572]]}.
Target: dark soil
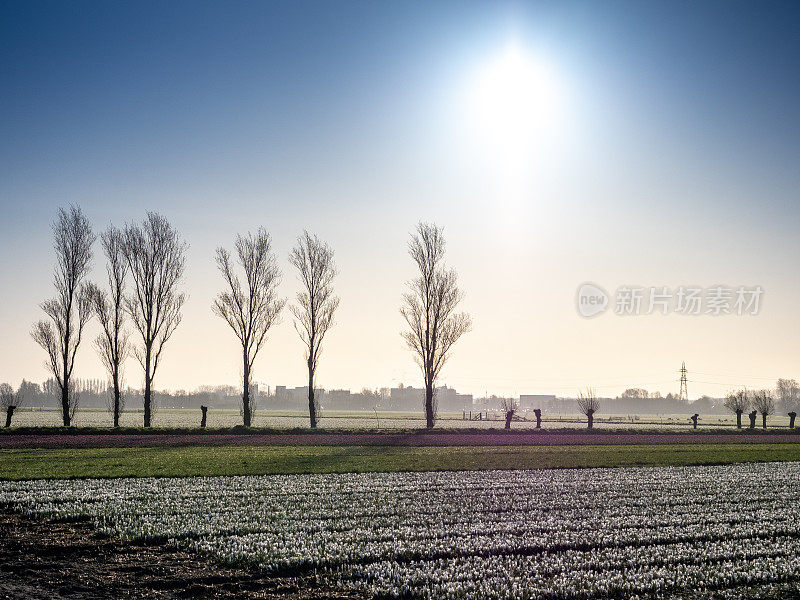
{"points": [[436, 438], [44, 560]]}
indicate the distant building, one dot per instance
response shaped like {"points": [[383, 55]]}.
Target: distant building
{"points": [[339, 400], [534, 401], [407, 398], [292, 398], [450, 400]]}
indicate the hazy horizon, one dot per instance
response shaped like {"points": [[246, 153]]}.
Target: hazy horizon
{"points": [[662, 150]]}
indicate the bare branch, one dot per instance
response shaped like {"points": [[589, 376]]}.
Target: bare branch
{"points": [[588, 404], [764, 403], [737, 402]]}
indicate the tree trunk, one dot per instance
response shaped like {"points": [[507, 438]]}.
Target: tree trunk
{"points": [[752, 416], [764, 420], [147, 389], [590, 416], [65, 404], [509, 416], [65, 416], [739, 419], [205, 414], [147, 399], [538, 414], [792, 416], [117, 395], [246, 393], [9, 413], [312, 407], [430, 418]]}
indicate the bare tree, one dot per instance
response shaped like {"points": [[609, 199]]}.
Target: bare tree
{"points": [[70, 310], [509, 406], [588, 404], [738, 403], [251, 309], [7, 403], [429, 308], [764, 403], [113, 344], [788, 394], [156, 257], [10, 400], [316, 304]]}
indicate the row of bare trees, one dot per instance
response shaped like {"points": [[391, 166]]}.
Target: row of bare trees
{"points": [[251, 306], [760, 401], [588, 405], [145, 264], [153, 256]]}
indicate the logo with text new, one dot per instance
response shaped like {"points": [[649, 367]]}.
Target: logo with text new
{"points": [[592, 300]]}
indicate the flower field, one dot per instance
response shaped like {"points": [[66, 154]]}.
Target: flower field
{"points": [[593, 533]]}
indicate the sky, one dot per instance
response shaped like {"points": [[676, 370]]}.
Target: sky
{"points": [[626, 144]]}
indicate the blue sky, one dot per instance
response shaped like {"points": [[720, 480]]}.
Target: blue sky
{"points": [[674, 160]]}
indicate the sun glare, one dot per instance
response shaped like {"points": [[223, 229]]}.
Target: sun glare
{"points": [[513, 102]]}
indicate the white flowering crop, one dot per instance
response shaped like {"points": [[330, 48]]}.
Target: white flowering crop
{"points": [[593, 533]]}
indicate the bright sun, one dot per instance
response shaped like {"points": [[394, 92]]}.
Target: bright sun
{"points": [[513, 101]]}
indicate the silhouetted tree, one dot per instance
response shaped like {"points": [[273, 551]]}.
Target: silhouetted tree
{"points": [[253, 307], [509, 406], [113, 344], [10, 401], [70, 310], [588, 405], [752, 416], [156, 257], [737, 403], [429, 308], [316, 304], [764, 403]]}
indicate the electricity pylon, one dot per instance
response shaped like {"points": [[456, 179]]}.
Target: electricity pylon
{"points": [[684, 394]]}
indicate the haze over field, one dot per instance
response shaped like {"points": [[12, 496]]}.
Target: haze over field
{"points": [[556, 144]]}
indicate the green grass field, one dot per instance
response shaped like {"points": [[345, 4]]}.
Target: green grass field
{"points": [[263, 460]]}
